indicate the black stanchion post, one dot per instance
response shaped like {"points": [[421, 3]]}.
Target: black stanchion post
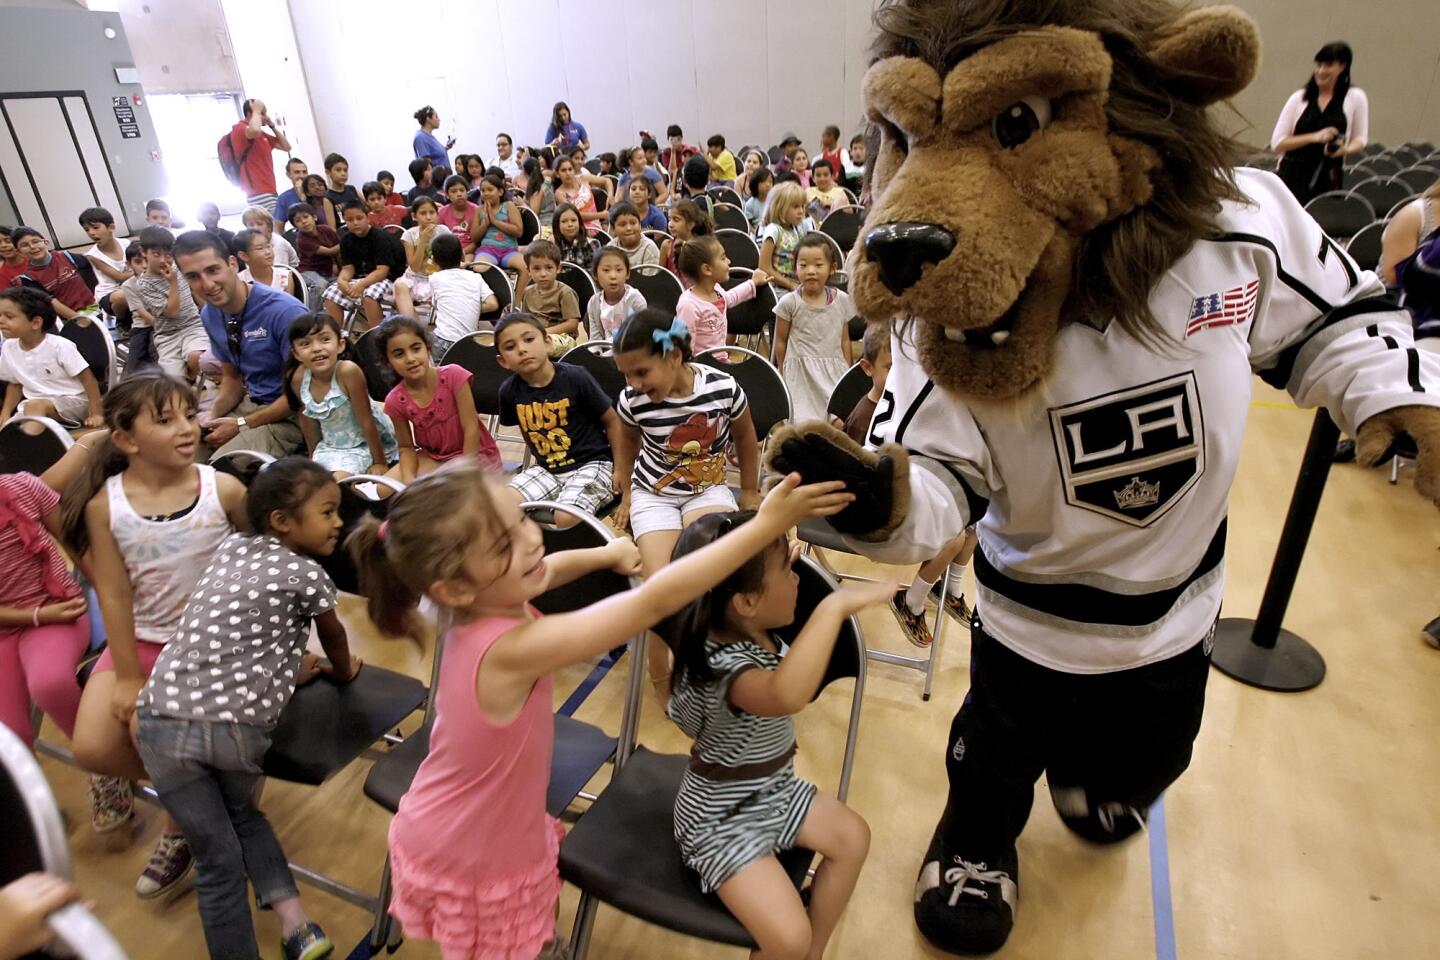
{"points": [[1261, 652]]}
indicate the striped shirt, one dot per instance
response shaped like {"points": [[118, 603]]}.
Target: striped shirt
{"points": [[683, 439]]}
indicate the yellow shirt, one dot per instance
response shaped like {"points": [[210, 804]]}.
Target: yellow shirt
{"points": [[723, 166]]}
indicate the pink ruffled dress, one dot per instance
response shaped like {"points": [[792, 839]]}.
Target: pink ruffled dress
{"points": [[473, 854]]}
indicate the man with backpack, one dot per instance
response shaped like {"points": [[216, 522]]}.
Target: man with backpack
{"points": [[245, 155]]}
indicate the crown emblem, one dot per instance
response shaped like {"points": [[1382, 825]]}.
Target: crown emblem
{"points": [[1137, 493]]}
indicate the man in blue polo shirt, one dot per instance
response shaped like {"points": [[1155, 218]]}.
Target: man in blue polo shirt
{"points": [[249, 328]]}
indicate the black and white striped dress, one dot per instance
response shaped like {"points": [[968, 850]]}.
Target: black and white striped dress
{"points": [[740, 799]]}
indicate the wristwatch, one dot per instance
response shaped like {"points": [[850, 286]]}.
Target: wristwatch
{"points": [[240, 423]]}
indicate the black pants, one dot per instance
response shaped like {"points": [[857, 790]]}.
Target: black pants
{"points": [[1121, 737]]}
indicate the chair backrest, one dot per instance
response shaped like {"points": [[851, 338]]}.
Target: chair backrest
{"points": [[774, 153], [1371, 149], [1365, 246], [739, 247], [659, 287], [602, 198], [577, 278], [603, 238], [835, 249], [1418, 178], [848, 391], [1383, 164], [657, 237], [726, 195], [593, 165], [32, 444], [499, 284], [843, 226], [477, 354], [301, 292], [762, 383], [1340, 214], [394, 229], [93, 341], [242, 464], [1404, 155], [729, 216], [598, 357], [1381, 192], [1401, 206], [531, 222], [753, 316], [356, 504], [380, 377]]}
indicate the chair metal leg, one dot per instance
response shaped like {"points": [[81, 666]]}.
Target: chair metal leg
{"points": [[1395, 469], [380, 928], [584, 926]]}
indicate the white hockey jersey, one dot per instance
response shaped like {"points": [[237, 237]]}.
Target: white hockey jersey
{"points": [[1102, 540]]}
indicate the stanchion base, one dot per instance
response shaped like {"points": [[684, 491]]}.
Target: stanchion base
{"points": [[1291, 666]]}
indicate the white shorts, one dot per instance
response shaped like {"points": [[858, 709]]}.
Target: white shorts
{"points": [[173, 346], [654, 512], [70, 410], [587, 487]]}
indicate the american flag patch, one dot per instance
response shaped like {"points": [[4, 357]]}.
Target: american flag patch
{"points": [[1236, 305]]}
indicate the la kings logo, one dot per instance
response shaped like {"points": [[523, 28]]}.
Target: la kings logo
{"points": [[1133, 454]]}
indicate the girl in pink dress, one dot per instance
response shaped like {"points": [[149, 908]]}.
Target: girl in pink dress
{"points": [[572, 185], [433, 409], [473, 854], [460, 215]]}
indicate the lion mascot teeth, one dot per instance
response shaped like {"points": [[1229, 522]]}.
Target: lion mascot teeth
{"points": [[1081, 286]]}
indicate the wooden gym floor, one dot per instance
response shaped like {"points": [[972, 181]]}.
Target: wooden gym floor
{"points": [[1307, 826]]}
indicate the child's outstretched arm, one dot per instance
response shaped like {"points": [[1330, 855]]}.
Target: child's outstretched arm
{"points": [[786, 689], [331, 632], [546, 644], [567, 566]]}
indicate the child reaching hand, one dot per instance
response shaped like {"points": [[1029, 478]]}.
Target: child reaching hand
{"points": [[616, 299], [812, 335], [473, 854], [704, 263], [45, 374], [205, 718], [345, 430], [740, 802], [433, 410]]}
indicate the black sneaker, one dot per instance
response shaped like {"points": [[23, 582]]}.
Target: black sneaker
{"points": [[1431, 633], [1344, 452], [955, 604], [966, 906], [917, 631], [308, 942]]}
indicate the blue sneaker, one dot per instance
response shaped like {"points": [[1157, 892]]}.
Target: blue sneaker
{"points": [[308, 942]]}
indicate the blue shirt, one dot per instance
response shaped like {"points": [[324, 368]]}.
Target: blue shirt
{"points": [[264, 339], [428, 147], [654, 219], [287, 200], [649, 174], [569, 137]]}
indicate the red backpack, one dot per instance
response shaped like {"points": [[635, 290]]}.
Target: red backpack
{"points": [[229, 165]]}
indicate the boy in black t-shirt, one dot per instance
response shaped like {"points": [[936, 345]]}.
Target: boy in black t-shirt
{"points": [[371, 259], [568, 422]]}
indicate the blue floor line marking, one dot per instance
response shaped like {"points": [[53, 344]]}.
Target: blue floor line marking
{"points": [[361, 951], [587, 686], [1160, 884]]}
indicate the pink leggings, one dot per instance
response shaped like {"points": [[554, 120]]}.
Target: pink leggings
{"points": [[37, 664]]}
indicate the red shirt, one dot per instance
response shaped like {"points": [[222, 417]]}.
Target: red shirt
{"points": [[9, 275], [62, 281], [390, 216], [835, 166], [395, 200], [257, 172], [35, 571]]}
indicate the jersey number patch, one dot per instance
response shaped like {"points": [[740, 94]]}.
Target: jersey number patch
{"points": [[1133, 454]]}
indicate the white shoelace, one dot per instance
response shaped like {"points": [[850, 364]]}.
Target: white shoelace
{"points": [[1109, 812], [967, 873], [165, 849]]}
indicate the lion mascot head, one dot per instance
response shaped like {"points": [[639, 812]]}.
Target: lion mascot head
{"points": [[1034, 163]]}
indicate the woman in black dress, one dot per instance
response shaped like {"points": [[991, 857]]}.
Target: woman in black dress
{"points": [[1321, 125]]}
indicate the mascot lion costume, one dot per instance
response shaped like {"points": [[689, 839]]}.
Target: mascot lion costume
{"points": [[1081, 285]]}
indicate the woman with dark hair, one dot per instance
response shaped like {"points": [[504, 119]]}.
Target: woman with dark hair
{"points": [[1321, 124], [564, 132], [426, 144]]}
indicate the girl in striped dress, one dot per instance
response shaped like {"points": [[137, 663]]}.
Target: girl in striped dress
{"points": [[473, 854], [735, 689]]}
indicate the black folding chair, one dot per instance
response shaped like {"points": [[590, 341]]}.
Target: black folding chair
{"points": [[1390, 215], [598, 357], [603, 238], [848, 392], [499, 283], [577, 278], [532, 226], [739, 247], [660, 288], [477, 353], [581, 749], [843, 226], [93, 341], [1383, 165], [1382, 193], [729, 216], [1365, 246], [1341, 215], [32, 444], [1418, 179], [658, 237], [242, 464], [762, 383], [622, 852], [357, 503], [380, 377], [726, 195], [33, 838], [751, 320]]}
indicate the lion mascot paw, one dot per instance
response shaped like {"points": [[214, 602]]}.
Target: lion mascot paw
{"points": [[1383, 435]]}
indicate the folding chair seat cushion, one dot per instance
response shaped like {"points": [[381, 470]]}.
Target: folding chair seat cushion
{"points": [[580, 750], [818, 533], [327, 725], [32, 444], [623, 851]]}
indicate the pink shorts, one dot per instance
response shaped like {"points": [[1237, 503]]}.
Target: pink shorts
{"points": [[147, 652]]}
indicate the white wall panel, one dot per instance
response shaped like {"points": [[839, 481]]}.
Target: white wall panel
{"points": [[660, 55], [731, 64], [599, 95], [54, 164], [94, 159]]}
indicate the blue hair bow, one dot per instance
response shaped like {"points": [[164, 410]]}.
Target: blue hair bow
{"points": [[666, 338]]}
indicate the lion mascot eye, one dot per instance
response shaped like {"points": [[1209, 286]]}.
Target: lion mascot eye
{"points": [[1019, 121]]}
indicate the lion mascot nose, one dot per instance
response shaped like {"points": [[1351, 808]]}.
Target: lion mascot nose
{"points": [[903, 249]]}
